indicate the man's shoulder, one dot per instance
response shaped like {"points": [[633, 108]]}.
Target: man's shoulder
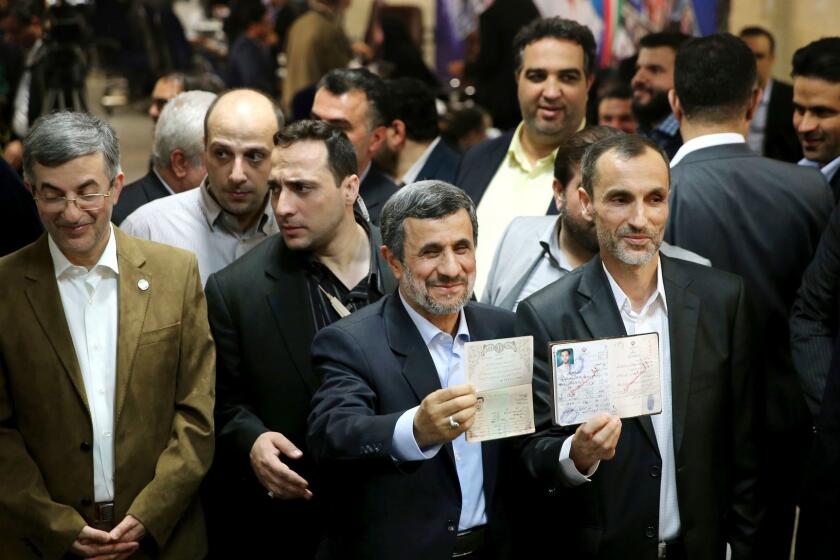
{"points": [[560, 294], [156, 255], [530, 227], [180, 205], [490, 316], [700, 279], [246, 271], [16, 263], [493, 146]]}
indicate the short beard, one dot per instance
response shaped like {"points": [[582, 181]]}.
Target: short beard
{"points": [[612, 245], [419, 294], [581, 231], [650, 114], [387, 161]]}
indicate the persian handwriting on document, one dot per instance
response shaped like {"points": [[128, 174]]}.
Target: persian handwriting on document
{"points": [[501, 372], [616, 375]]}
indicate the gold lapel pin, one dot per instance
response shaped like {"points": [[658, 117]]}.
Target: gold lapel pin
{"points": [[143, 284]]}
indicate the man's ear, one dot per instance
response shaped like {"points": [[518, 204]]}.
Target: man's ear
{"points": [[393, 262], [350, 189], [586, 209], [397, 135], [118, 185], [674, 101], [377, 137], [178, 163], [559, 195], [755, 101]]}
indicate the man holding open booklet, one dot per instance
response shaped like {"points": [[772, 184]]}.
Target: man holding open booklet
{"points": [[649, 357]]}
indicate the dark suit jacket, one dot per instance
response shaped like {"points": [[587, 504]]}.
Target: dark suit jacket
{"points": [[375, 190], [819, 520], [780, 140], [375, 366], [441, 165], [770, 215], [615, 516], [479, 166], [19, 222], [136, 194], [262, 322]]}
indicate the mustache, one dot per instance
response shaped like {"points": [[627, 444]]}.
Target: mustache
{"points": [[626, 230], [443, 280]]}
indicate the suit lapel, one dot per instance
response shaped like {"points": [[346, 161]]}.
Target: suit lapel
{"points": [[683, 311], [43, 295], [133, 303], [418, 368], [603, 319], [288, 300]]}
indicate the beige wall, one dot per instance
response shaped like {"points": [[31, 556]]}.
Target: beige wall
{"points": [[794, 23]]}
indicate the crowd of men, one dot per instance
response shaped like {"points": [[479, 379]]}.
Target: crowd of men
{"points": [[257, 349]]}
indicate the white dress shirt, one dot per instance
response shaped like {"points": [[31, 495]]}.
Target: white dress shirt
{"points": [[706, 141], [413, 171], [652, 317], [828, 170], [447, 354], [91, 307]]}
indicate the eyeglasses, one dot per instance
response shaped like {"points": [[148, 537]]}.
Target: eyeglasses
{"points": [[93, 201]]}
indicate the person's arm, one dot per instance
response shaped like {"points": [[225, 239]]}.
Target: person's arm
{"points": [[189, 452], [559, 455], [743, 517], [52, 527], [813, 319]]}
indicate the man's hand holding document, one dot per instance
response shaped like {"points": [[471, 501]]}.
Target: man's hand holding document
{"points": [[501, 372]]}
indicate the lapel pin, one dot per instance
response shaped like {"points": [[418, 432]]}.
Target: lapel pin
{"points": [[143, 284]]}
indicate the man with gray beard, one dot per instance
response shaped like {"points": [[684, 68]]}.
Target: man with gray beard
{"points": [[387, 425], [680, 484]]}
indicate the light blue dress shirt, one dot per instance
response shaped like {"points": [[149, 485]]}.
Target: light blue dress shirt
{"points": [[447, 354]]}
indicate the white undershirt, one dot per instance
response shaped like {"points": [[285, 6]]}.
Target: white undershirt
{"points": [[91, 307]]}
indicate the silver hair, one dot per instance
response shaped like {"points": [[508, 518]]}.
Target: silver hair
{"points": [[57, 138], [181, 127], [424, 200]]}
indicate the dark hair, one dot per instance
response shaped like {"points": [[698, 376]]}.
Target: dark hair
{"points": [[341, 157], [414, 104], [756, 31], [424, 200], [671, 39], [281, 120], [570, 154], [342, 80], [626, 146], [242, 14], [820, 59], [617, 91], [714, 77], [556, 28]]}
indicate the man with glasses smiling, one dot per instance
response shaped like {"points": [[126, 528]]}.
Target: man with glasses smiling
{"points": [[229, 214], [106, 369]]}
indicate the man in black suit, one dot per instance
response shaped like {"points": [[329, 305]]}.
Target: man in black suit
{"points": [[771, 129], [512, 175], [387, 425], [356, 102], [177, 154], [814, 317], [413, 149], [264, 309], [19, 222], [816, 106], [771, 215], [680, 484]]}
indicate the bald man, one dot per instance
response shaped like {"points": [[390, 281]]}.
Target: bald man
{"points": [[230, 213]]}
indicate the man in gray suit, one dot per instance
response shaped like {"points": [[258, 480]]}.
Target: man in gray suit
{"points": [[755, 217], [537, 250]]}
